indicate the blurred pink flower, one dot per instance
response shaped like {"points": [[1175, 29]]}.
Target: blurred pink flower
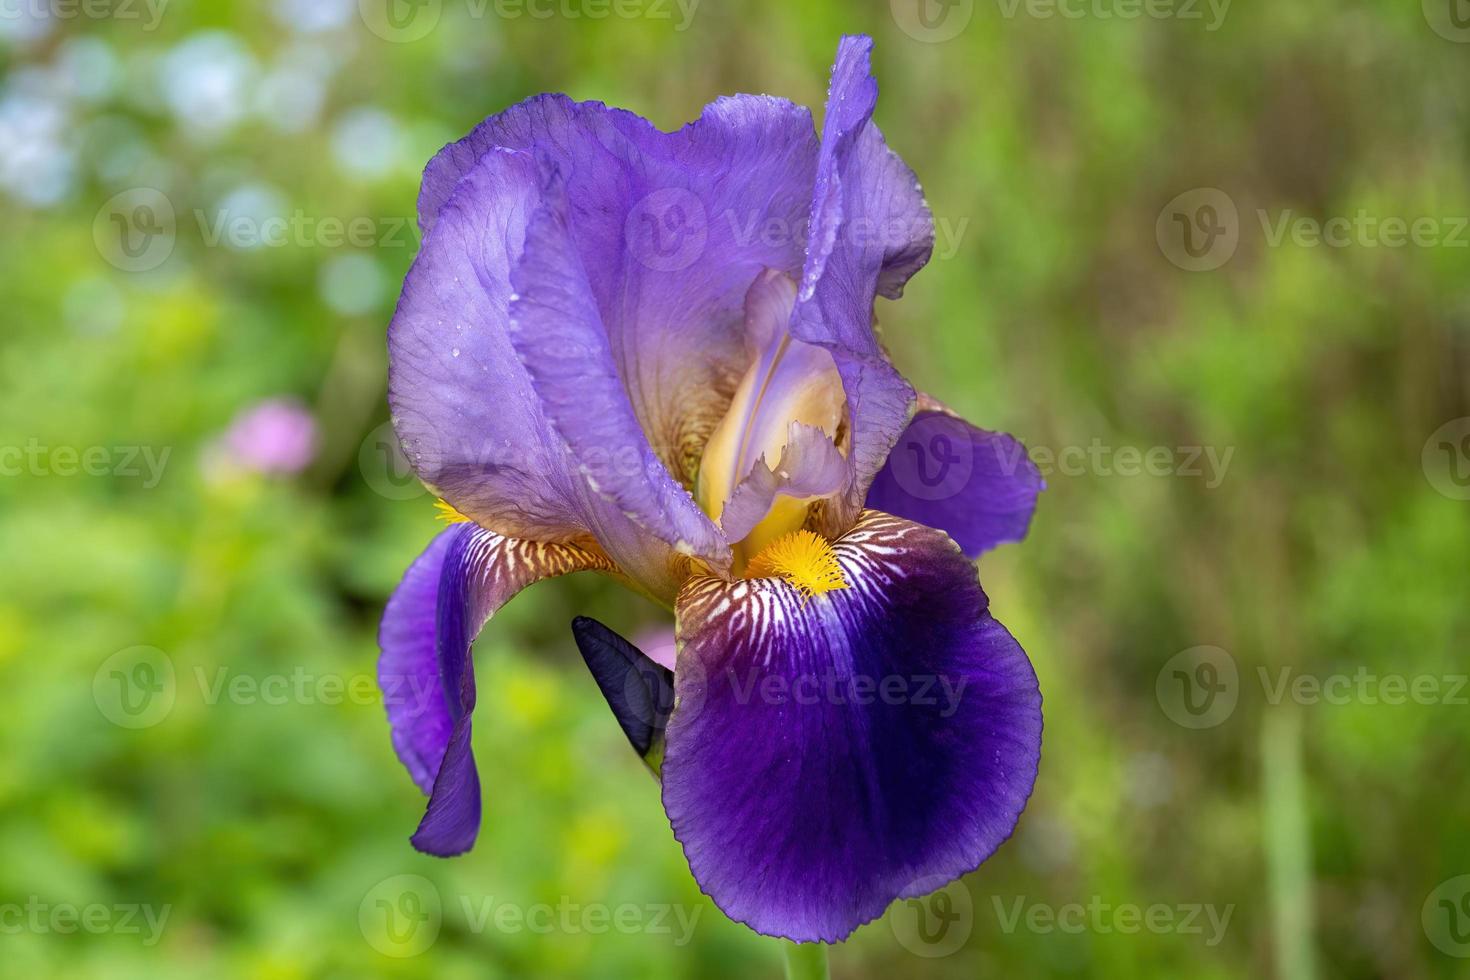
{"points": [[277, 435]]}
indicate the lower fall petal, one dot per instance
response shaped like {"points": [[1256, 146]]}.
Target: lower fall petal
{"points": [[828, 755], [428, 679]]}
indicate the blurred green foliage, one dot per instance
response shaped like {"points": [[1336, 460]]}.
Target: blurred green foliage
{"points": [[1048, 147]]}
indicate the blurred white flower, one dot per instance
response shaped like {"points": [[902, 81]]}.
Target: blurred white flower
{"points": [[240, 217], [24, 23], [37, 166], [291, 93], [314, 16], [367, 142], [207, 83], [352, 284], [87, 68]]}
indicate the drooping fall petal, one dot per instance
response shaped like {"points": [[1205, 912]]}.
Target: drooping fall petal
{"points": [[425, 671], [830, 754]]}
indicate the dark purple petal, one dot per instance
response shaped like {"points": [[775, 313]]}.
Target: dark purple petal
{"points": [[980, 487], [427, 676], [672, 228], [827, 757], [870, 230]]}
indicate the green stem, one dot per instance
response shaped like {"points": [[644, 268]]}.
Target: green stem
{"points": [[1288, 843], [805, 961]]}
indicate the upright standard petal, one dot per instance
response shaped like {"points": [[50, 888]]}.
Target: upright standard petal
{"points": [[427, 676], [672, 228], [463, 406], [980, 487], [870, 230], [473, 422], [559, 335], [828, 755]]}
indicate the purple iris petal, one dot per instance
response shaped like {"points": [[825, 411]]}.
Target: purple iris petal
{"points": [[559, 336], [870, 231], [462, 403], [672, 228], [980, 487], [408, 670], [825, 758], [427, 676]]}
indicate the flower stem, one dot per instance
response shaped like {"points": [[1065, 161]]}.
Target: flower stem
{"points": [[805, 961]]}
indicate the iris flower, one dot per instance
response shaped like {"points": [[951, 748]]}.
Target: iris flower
{"points": [[654, 356]]}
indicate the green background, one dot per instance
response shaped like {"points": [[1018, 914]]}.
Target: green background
{"points": [[1050, 147]]}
